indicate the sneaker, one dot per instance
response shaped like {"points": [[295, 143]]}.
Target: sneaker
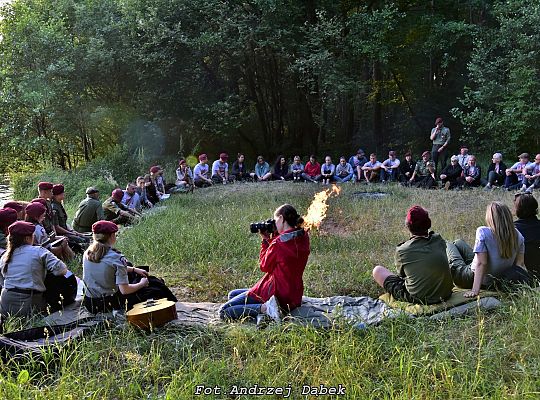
{"points": [[523, 188], [272, 309], [488, 187], [529, 190], [447, 186], [262, 321]]}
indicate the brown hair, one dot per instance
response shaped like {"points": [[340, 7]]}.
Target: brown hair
{"points": [[290, 215], [13, 242], [499, 220], [99, 247], [526, 206]]}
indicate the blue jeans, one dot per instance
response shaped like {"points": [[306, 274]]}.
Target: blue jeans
{"points": [[391, 175], [344, 179], [240, 305]]}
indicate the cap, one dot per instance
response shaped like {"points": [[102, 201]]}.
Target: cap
{"points": [[35, 210], [426, 153], [21, 228], [40, 201], [154, 169], [7, 217], [57, 189], [45, 186], [418, 220], [107, 227], [92, 190], [14, 205], [182, 161], [203, 157], [117, 194]]}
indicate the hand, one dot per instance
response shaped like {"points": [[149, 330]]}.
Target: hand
{"points": [[471, 293], [264, 235], [410, 180], [144, 282], [443, 176], [140, 271], [469, 179]]}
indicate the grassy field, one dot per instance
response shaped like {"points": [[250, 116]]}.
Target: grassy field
{"points": [[202, 246]]}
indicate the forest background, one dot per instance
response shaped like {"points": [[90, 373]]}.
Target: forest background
{"points": [[85, 79]]}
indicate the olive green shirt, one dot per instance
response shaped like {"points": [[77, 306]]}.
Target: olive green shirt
{"points": [[60, 215], [112, 208], [422, 168], [442, 136], [422, 262], [89, 212]]}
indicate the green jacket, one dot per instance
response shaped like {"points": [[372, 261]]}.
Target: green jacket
{"points": [[89, 212]]}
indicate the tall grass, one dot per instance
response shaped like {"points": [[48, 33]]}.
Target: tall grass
{"points": [[202, 246]]}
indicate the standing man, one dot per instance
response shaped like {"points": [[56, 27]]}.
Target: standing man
{"points": [[440, 136], [90, 211]]}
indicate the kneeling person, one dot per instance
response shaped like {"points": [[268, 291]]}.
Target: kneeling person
{"points": [[424, 275]]}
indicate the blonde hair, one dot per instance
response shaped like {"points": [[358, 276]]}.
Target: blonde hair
{"points": [[499, 220], [99, 247]]}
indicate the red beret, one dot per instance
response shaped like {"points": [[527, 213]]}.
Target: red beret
{"points": [[203, 157], [418, 220], [45, 186], [7, 217], [106, 227], [154, 169], [14, 205], [58, 189], [40, 201], [224, 156], [35, 210], [426, 153], [438, 120], [21, 228], [182, 161], [117, 194]]}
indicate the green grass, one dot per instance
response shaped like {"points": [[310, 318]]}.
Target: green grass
{"points": [[202, 246]]}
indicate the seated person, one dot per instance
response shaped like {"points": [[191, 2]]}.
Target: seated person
{"points": [[89, 211], [327, 171], [239, 170], [515, 175], [372, 169], [283, 258], [131, 198], [115, 211], [184, 178], [7, 217], [23, 270], [156, 175], [532, 176], [406, 168], [220, 170], [113, 283], [142, 191], [281, 169], [528, 225], [17, 206], [463, 157], [35, 214], [344, 171], [357, 162], [262, 170], [423, 273], [312, 170], [76, 240], [496, 172], [451, 173], [390, 168], [201, 172], [471, 175], [151, 189], [297, 169], [424, 173], [45, 195], [498, 254]]}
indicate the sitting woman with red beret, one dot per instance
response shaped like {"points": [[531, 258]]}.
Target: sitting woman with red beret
{"points": [[112, 282], [7, 217], [23, 270]]}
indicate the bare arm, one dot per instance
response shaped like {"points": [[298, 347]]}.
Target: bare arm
{"points": [[128, 288], [481, 267]]}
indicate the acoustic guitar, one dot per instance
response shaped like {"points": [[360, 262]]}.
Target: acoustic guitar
{"points": [[152, 313]]}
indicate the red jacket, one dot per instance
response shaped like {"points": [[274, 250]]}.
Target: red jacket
{"points": [[283, 259], [312, 169]]}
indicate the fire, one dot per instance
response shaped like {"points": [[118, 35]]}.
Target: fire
{"points": [[316, 212]]}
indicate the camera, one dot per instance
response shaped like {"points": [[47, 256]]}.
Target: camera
{"points": [[265, 226]]}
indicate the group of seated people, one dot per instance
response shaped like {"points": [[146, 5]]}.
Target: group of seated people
{"points": [[462, 172], [36, 243]]}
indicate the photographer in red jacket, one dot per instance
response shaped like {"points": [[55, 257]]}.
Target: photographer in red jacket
{"points": [[283, 258]]}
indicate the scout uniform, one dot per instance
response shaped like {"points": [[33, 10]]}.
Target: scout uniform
{"points": [[89, 212], [112, 207]]}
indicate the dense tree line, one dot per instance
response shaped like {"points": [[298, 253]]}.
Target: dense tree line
{"points": [[78, 77]]}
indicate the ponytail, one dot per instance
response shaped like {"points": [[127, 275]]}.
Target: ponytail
{"points": [[14, 242], [99, 247]]}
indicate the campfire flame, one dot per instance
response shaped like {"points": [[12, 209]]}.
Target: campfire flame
{"points": [[316, 212]]}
